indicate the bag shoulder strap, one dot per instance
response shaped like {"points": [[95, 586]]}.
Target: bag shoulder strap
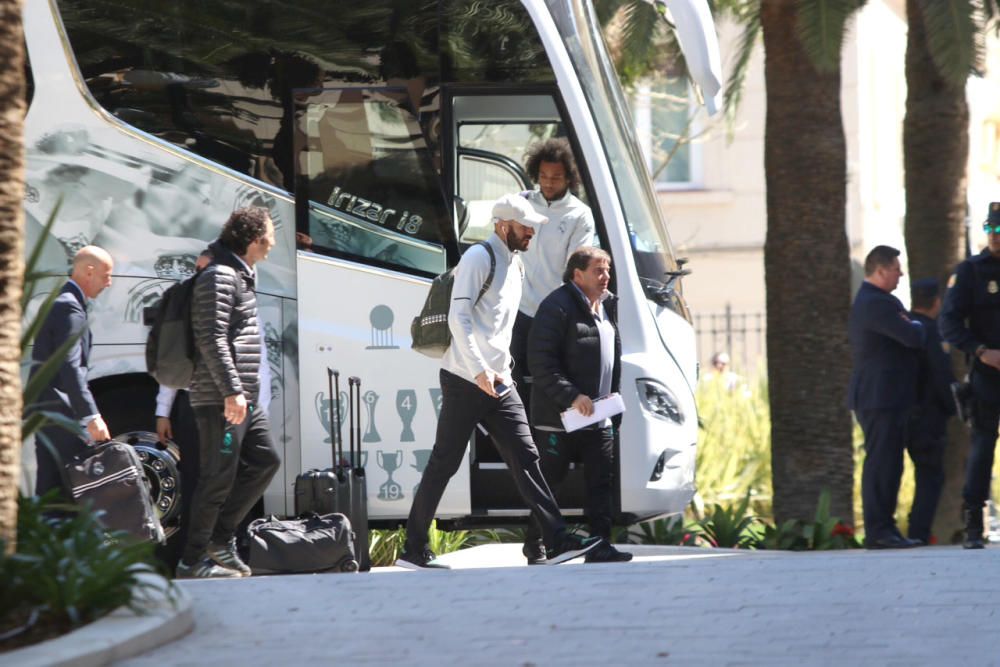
{"points": [[493, 270]]}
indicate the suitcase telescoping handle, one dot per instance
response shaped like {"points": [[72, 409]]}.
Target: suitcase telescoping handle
{"points": [[336, 437], [354, 426]]}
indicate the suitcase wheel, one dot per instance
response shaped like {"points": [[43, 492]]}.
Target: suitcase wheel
{"points": [[349, 565]]}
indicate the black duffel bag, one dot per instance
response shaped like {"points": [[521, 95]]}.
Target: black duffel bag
{"points": [[109, 476], [312, 543]]}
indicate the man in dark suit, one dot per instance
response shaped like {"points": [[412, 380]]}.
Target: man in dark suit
{"points": [[927, 426], [884, 343], [68, 393]]}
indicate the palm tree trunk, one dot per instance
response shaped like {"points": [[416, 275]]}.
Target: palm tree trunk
{"points": [[935, 155], [12, 109], [807, 275]]}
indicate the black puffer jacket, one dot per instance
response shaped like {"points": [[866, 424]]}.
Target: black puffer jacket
{"points": [[564, 354], [224, 317]]}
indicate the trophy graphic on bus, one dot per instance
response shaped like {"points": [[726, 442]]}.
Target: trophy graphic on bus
{"points": [[390, 462], [323, 412], [406, 406], [370, 398], [436, 400]]}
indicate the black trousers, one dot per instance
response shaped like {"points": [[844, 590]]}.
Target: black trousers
{"points": [[925, 444], [50, 469], [985, 419], [595, 449], [182, 420], [463, 405], [519, 352], [237, 463], [883, 468]]}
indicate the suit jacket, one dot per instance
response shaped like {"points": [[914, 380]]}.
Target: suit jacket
{"points": [[68, 393], [884, 345]]}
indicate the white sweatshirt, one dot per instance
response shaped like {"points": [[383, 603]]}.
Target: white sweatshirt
{"points": [[481, 332], [570, 226]]}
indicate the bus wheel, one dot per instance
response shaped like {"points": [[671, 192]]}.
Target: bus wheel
{"points": [[159, 462]]}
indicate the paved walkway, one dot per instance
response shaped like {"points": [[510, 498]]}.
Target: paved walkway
{"points": [[671, 606]]}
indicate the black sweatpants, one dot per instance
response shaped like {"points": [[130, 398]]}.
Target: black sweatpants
{"points": [[463, 405], [237, 463], [595, 449]]}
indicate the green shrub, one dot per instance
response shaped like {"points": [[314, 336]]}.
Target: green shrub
{"points": [[385, 546], [70, 570], [734, 527], [825, 532], [734, 444], [671, 530]]}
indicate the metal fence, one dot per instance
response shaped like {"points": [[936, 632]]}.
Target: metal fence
{"points": [[743, 336]]}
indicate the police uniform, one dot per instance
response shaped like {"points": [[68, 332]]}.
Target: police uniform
{"points": [[970, 321]]}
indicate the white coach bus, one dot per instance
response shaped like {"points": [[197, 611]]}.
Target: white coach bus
{"points": [[377, 133]]}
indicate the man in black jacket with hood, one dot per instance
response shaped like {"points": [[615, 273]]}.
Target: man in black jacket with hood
{"points": [[574, 355], [238, 458]]}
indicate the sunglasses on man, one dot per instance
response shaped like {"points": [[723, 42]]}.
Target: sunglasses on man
{"points": [[991, 229]]}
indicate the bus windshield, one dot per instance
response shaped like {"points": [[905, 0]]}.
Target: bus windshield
{"points": [[650, 243]]}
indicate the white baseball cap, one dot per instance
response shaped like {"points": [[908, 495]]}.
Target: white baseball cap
{"points": [[517, 208]]}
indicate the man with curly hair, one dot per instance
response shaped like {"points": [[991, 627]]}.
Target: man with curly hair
{"points": [[237, 455], [551, 165]]}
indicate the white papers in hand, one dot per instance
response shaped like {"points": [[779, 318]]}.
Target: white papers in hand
{"points": [[605, 407]]}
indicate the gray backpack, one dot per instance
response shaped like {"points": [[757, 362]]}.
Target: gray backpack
{"points": [[429, 330]]}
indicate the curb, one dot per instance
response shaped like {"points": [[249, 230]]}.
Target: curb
{"points": [[119, 635]]}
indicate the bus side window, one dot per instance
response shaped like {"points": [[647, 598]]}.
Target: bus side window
{"points": [[364, 166]]}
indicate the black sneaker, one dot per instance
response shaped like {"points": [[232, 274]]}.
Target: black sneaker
{"points": [[606, 553], [571, 546], [534, 551], [205, 568], [423, 561], [227, 556]]}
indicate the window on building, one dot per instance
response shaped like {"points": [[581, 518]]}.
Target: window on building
{"points": [[667, 129]]}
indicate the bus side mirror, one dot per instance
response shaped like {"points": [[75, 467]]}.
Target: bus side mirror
{"points": [[461, 214]]}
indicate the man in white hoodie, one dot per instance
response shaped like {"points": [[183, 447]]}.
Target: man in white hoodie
{"points": [[476, 387], [551, 165]]}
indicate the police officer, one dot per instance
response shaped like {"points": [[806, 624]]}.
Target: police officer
{"points": [[970, 321], [926, 429]]}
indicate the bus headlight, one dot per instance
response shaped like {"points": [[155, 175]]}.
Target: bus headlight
{"points": [[657, 400]]}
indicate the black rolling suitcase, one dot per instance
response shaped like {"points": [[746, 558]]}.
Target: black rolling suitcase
{"points": [[318, 491], [341, 488], [111, 479]]}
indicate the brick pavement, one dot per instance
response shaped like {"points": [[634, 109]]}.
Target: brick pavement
{"points": [[680, 606]]}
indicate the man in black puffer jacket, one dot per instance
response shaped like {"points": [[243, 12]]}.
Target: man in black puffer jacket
{"points": [[574, 355], [238, 458]]}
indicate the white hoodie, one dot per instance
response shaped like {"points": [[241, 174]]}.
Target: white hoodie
{"points": [[570, 226]]}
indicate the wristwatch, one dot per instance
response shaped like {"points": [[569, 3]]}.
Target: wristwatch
{"points": [[979, 351]]}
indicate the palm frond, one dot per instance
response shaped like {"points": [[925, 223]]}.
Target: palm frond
{"points": [[821, 27], [952, 27], [750, 20]]}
